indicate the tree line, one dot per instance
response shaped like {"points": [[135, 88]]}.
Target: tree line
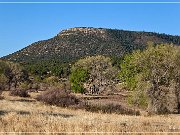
{"points": [[151, 76]]}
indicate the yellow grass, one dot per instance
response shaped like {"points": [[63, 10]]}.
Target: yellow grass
{"points": [[18, 115]]}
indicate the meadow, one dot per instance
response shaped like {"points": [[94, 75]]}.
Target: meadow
{"points": [[19, 115]]}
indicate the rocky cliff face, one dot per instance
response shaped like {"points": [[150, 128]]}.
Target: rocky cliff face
{"points": [[74, 43]]}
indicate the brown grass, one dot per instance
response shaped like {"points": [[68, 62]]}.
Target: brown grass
{"points": [[28, 115], [19, 92]]}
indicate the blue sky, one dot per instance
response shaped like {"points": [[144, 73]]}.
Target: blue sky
{"points": [[23, 24]]}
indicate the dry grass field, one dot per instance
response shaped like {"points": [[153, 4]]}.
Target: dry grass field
{"points": [[28, 115]]}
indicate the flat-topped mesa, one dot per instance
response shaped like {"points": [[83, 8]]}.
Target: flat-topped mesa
{"points": [[85, 30], [74, 43]]}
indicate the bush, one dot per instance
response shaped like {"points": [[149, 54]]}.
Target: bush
{"points": [[24, 85], [19, 92], [0, 93], [3, 82], [58, 97], [109, 108], [0, 90], [51, 80]]}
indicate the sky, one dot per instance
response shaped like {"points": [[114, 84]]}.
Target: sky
{"points": [[23, 24]]}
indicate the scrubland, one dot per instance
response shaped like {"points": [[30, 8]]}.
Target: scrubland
{"points": [[20, 115]]}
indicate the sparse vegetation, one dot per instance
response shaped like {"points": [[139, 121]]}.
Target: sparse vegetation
{"points": [[19, 92], [52, 80], [19, 115], [109, 108], [58, 97], [3, 82], [73, 44]]}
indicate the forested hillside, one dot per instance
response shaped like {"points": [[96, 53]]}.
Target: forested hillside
{"points": [[74, 43]]}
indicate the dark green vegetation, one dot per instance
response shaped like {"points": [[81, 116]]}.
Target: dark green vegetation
{"points": [[99, 62], [44, 69], [75, 43]]}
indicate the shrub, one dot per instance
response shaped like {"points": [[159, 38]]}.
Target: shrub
{"points": [[24, 85], [51, 80], [3, 81], [19, 92], [35, 86], [0, 92], [58, 97], [109, 108]]}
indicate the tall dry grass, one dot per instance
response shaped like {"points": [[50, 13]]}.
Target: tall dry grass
{"points": [[27, 115]]}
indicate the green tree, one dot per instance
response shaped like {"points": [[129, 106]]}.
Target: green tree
{"points": [[154, 73], [13, 72], [77, 77], [101, 74]]}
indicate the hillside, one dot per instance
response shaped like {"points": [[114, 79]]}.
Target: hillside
{"points": [[74, 43]]}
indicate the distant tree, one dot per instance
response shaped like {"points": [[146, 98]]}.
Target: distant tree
{"points": [[45, 69], [52, 80], [3, 82], [13, 72], [3, 78]]}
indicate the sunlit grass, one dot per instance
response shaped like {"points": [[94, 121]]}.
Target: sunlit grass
{"points": [[28, 115]]}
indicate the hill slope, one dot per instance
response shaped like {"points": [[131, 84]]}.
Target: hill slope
{"points": [[74, 43]]}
